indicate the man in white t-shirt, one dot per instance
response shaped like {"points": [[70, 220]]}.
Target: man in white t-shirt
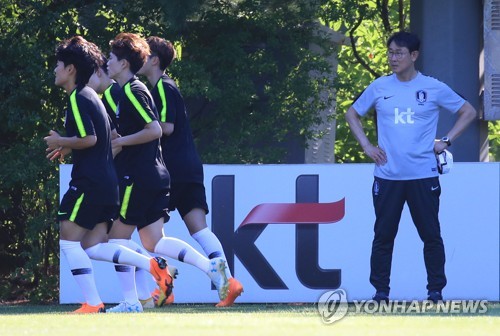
{"points": [[407, 104]]}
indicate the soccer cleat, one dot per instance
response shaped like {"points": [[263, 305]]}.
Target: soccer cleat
{"points": [[159, 270], [88, 309], [125, 307], [217, 274], [235, 289], [159, 297], [435, 297]]}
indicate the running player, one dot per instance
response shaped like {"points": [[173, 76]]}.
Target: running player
{"points": [[182, 159], [111, 94], [144, 180]]}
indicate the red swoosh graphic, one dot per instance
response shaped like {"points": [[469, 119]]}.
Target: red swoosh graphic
{"points": [[300, 213]]}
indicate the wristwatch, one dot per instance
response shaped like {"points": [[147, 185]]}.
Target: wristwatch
{"points": [[446, 140]]}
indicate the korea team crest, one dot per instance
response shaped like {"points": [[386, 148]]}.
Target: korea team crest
{"points": [[421, 96]]}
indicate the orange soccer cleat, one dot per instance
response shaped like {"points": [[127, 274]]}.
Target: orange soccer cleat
{"points": [[235, 289], [159, 270], [88, 309]]}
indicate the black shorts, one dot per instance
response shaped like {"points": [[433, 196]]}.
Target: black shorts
{"points": [[141, 207], [82, 209], [187, 196]]}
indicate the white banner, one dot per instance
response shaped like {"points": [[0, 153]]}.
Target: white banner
{"points": [[288, 262]]}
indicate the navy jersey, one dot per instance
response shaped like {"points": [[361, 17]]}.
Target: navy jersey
{"points": [[110, 99], [93, 168], [141, 163], [179, 151]]}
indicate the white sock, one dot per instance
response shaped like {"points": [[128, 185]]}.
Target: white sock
{"points": [[144, 281], [211, 245], [126, 274], [179, 250], [81, 267], [117, 251]]}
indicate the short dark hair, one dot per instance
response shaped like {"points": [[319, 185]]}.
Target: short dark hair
{"points": [[162, 48], [132, 48], [405, 39], [84, 55]]}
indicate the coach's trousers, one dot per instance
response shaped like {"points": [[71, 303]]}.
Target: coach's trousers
{"points": [[422, 197]]}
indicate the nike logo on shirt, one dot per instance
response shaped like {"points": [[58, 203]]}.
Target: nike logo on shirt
{"points": [[434, 188], [62, 213], [387, 97]]}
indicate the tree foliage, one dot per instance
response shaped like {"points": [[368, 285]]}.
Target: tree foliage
{"points": [[367, 25]]}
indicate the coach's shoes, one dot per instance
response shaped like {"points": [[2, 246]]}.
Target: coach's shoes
{"points": [[380, 297], [217, 274], [159, 270], [88, 309], [125, 307], [235, 289], [435, 297]]}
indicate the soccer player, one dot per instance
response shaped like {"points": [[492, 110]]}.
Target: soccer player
{"points": [[144, 180], [407, 104], [91, 202], [111, 93], [182, 159]]}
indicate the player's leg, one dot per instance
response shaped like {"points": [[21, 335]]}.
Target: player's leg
{"points": [[196, 222], [423, 201], [154, 241], [76, 218]]}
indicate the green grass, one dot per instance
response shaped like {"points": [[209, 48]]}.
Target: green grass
{"points": [[242, 319]]}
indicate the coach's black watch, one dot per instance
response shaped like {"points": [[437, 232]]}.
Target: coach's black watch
{"points": [[446, 140]]}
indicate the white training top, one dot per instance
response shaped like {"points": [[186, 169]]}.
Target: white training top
{"points": [[407, 117]]}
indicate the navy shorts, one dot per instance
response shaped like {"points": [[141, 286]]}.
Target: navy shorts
{"points": [[141, 207], [186, 197], [82, 209]]}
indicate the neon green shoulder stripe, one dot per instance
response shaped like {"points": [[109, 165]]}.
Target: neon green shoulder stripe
{"points": [[76, 114], [109, 98], [161, 91], [137, 105]]}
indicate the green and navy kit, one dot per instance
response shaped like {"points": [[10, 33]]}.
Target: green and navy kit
{"points": [[407, 117], [93, 169], [179, 151], [140, 163], [110, 98]]}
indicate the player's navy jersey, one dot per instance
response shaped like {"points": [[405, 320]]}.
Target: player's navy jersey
{"points": [[407, 117], [110, 98], [93, 168], [179, 151], [142, 163]]}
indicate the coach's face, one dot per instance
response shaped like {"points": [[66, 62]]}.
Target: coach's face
{"points": [[400, 59]]}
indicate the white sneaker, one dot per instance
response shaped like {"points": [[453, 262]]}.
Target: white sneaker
{"points": [[125, 307], [217, 274]]}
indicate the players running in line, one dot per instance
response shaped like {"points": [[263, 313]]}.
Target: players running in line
{"points": [[147, 190]]}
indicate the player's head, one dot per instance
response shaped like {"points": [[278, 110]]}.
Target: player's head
{"points": [[83, 55], [163, 49], [405, 40], [99, 81], [131, 48]]}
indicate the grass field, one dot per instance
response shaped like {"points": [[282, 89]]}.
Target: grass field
{"points": [[242, 319]]}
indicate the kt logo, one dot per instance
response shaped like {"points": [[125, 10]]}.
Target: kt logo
{"points": [[306, 214]]}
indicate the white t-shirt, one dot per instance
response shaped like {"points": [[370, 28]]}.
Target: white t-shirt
{"points": [[407, 117]]}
